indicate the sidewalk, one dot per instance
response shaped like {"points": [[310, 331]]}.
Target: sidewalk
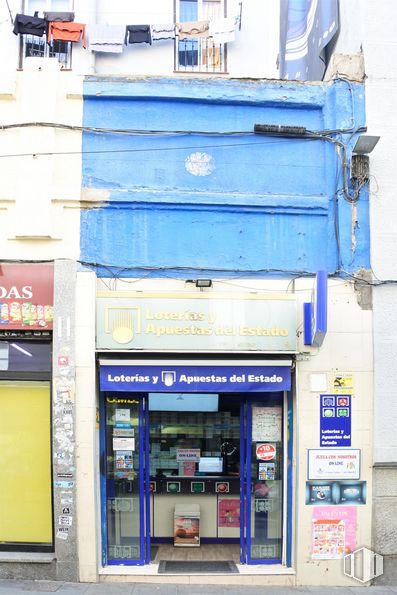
{"points": [[19, 587]]}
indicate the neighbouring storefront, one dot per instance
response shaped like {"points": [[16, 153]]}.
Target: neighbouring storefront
{"points": [[26, 322], [196, 433]]}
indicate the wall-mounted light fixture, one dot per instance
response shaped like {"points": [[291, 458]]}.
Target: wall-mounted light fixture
{"points": [[365, 144], [203, 282]]}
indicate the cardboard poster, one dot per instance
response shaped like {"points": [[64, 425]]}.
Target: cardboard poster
{"points": [[266, 424], [188, 454], [333, 532], [229, 512], [186, 530], [120, 443]]}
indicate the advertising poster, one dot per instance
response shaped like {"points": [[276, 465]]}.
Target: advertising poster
{"points": [[229, 512], [120, 443], [333, 532], [334, 463], [335, 420], [186, 530], [351, 493]]}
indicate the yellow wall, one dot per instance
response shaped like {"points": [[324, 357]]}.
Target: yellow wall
{"points": [[25, 462]]}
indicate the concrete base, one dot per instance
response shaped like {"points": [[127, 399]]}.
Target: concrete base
{"points": [[28, 570], [384, 521]]}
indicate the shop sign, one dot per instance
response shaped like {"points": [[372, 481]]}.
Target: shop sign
{"points": [[265, 452], [163, 379], [335, 420], [334, 463], [26, 296], [188, 454], [206, 321]]}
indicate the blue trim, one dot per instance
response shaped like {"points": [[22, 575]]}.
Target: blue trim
{"points": [[141, 485], [102, 472], [307, 324], [248, 487], [290, 451], [321, 307], [147, 482], [242, 485], [123, 562]]}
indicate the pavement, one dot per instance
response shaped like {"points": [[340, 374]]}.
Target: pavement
{"points": [[23, 587]]}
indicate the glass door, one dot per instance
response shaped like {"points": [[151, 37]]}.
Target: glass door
{"points": [[122, 480], [264, 480]]}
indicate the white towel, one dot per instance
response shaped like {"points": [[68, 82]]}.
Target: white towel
{"points": [[160, 32], [106, 38], [222, 30]]}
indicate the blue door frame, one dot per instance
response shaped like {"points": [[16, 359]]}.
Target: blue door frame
{"points": [[245, 483]]}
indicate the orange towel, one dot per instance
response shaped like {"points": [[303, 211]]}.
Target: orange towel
{"points": [[66, 32]]}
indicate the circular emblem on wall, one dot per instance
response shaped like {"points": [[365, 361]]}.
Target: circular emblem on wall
{"points": [[199, 164]]}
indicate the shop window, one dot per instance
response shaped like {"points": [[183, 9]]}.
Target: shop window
{"points": [[25, 356], [25, 466]]}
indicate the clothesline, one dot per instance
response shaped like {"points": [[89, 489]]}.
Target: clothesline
{"points": [[60, 26]]}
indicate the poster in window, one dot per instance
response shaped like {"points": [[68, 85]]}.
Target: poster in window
{"points": [[229, 512], [266, 424]]}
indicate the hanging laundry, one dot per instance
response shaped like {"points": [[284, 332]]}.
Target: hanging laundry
{"points": [[138, 34], [223, 30], [106, 38], [64, 17], [25, 24], [193, 29], [66, 32], [160, 32]]}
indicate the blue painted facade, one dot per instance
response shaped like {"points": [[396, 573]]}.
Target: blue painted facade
{"points": [[265, 205]]}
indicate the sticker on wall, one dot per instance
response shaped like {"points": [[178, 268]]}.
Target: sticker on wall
{"points": [[222, 487], [199, 164], [266, 471], [65, 520], [197, 487], [333, 532], [64, 484], [343, 382], [122, 415], [336, 492], [173, 487], [124, 460], [62, 533], [265, 452], [335, 420], [264, 505]]}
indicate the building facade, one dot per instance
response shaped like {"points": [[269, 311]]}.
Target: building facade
{"points": [[209, 238]]}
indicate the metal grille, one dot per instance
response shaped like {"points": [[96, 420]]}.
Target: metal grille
{"points": [[38, 47], [200, 55]]}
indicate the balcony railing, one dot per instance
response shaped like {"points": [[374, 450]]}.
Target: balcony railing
{"points": [[199, 55]]}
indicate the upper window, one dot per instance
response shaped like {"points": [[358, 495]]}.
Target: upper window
{"points": [[201, 53], [33, 45]]}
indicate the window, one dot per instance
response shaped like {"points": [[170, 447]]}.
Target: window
{"points": [[199, 54], [34, 46]]}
